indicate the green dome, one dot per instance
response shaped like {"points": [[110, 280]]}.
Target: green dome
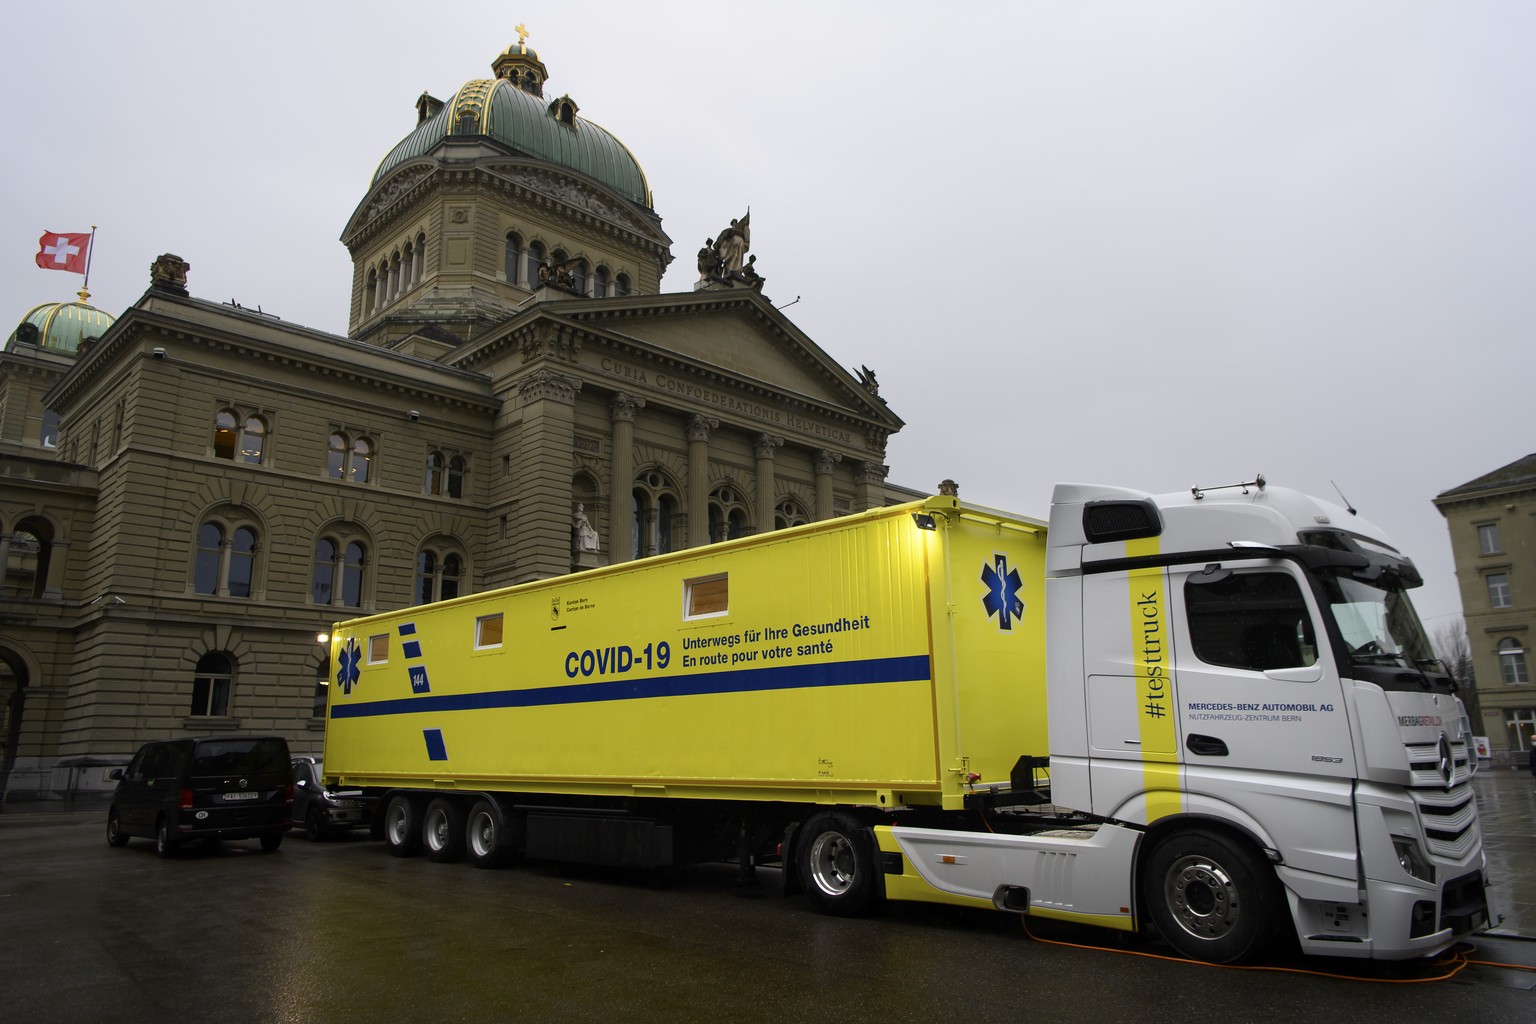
{"points": [[511, 110], [61, 326]]}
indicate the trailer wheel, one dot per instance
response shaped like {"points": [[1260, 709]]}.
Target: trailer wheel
{"points": [[402, 826], [1211, 897], [442, 830], [487, 838], [837, 865]]}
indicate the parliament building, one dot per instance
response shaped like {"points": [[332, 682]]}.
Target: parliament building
{"points": [[192, 493]]}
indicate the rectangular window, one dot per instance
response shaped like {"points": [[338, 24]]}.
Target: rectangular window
{"points": [[1498, 590], [378, 649], [488, 631], [706, 596], [1488, 539], [1255, 621]]}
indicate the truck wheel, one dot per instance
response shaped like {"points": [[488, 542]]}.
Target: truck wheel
{"points": [[1211, 897], [442, 830], [402, 826], [837, 865], [115, 834], [487, 839], [165, 843]]}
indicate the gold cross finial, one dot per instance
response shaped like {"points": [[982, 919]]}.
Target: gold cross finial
{"points": [[522, 35]]}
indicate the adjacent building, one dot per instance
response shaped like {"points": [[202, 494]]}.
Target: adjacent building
{"points": [[193, 492], [1492, 522]]}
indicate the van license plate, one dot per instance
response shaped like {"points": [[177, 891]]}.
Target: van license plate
{"points": [[240, 796]]}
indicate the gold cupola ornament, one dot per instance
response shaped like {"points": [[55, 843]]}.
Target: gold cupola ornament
{"points": [[521, 66]]}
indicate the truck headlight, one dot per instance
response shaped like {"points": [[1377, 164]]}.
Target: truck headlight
{"points": [[1412, 860]]}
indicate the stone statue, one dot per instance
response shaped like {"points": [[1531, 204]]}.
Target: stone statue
{"points": [[583, 536], [867, 378], [709, 261], [169, 273], [734, 242]]}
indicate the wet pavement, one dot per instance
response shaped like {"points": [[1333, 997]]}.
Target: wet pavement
{"points": [[1506, 802], [342, 931]]}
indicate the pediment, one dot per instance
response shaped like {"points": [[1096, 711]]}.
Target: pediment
{"points": [[745, 340]]}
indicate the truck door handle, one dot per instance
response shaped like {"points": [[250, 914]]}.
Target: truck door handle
{"points": [[1205, 746]]}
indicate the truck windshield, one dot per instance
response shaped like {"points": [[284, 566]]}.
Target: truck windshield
{"points": [[1379, 625]]}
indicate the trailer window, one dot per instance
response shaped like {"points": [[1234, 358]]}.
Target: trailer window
{"points": [[706, 596], [1253, 621], [378, 649], [488, 631]]}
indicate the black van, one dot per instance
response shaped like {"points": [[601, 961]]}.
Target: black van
{"points": [[211, 787]]}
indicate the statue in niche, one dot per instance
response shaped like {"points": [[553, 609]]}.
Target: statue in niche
{"points": [[583, 536]]}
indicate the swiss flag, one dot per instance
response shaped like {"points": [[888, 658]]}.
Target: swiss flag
{"points": [[58, 250]]}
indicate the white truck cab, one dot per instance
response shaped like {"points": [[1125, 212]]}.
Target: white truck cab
{"points": [[1239, 673]]}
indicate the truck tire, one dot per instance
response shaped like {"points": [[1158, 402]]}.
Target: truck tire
{"points": [[837, 865], [442, 830], [487, 839], [1211, 897], [402, 825]]}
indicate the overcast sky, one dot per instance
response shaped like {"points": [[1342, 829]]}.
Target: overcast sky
{"points": [[1154, 244]]}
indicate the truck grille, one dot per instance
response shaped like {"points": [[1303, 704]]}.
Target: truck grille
{"points": [[1447, 807]]}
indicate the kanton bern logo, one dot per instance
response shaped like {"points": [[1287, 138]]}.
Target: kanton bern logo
{"points": [[1002, 597]]}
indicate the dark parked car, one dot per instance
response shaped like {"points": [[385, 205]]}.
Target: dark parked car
{"points": [[209, 788], [327, 811]]}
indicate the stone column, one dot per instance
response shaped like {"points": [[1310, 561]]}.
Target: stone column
{"points": [[869, 478], [621, 481], [542, 460], [826, 462], [767, 445], [699, 428]]}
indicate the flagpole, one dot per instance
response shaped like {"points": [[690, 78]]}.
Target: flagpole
{"points": [[90, 250]]}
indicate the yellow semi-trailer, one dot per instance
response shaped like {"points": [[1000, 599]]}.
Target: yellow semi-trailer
{"points": [[1242, 730]]}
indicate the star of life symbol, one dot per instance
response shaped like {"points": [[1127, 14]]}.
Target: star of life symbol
{"points": [[347, 670], [61, 250], [1002, 597]]}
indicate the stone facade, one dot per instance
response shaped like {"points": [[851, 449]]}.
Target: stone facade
{"points": [[1492, 522], [226, 486]]}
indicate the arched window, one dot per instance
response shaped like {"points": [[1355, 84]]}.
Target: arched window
{"points": [[407, 267], [348, 459], [456, 467], [27, 559], [242, 561], [789, 513], [621, 284], [601, 279], [340, 572], [381, 297], [1512, 663], [421, 257], [512, 259], [438, 575], [253, 440], [728, 515], [371, 292], [211, 686], [224, 435], [226, 559], [210, 556], [654, 508], [579, 277], [535, 261], [435, 472]]}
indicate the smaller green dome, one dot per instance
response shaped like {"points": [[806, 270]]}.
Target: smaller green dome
{"points": [[61, 326]]}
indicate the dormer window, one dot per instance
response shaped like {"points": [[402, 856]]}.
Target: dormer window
{"points": [[564, 110]]}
